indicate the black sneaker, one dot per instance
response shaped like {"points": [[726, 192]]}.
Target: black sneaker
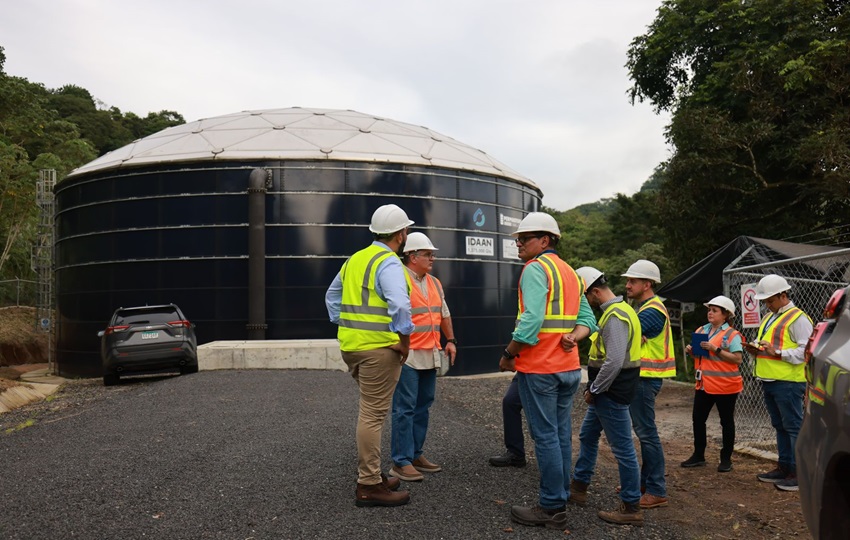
{"points": [[693, 461], [773, 476], [789, 483], [725, 466], [507, 460]]}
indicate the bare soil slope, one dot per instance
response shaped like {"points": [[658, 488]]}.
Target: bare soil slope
{"points": [[20, 341]]}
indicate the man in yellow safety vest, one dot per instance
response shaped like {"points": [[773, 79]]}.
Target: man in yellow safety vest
{"points": [[780, 365], [370, 301], [658, 362]]}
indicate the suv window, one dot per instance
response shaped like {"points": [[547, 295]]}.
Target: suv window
{"points": [[146, 317]]}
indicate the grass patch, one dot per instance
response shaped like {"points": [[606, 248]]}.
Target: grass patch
{"points": [[22, 425]]}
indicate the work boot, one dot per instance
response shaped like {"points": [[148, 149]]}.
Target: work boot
{"points": [[626, 514], [422, 464], [380, 495], [391, 483], [578, 493], [535, 515], [648, 500]]}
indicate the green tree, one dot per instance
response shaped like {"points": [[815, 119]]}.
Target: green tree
{"points": [[759, 93]]}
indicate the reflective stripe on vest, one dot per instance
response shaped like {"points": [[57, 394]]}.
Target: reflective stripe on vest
{"points": [[427, 314], [719, 377], [657, 357], [562, 305], [779, 335], [364, 320], [625, 313]]}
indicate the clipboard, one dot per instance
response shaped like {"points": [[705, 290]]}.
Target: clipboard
{"points": [[696, 339]]}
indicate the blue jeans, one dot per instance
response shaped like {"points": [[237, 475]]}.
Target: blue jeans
{"points": [[784, 400], [512, 419], [548, 403], [412, 400], [612, 417], [642, 410]]}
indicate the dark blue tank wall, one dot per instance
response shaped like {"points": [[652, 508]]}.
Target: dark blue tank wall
{"points": [[180, 234]]}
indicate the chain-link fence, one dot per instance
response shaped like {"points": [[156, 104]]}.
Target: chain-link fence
{"points": [[813, 279], [18, 292]]}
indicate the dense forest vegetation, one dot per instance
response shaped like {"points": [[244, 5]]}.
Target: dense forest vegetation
{"points": [[759, 97], [60, 129]]}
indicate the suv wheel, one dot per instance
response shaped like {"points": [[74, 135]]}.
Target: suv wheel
{"points": [[110, 380]]}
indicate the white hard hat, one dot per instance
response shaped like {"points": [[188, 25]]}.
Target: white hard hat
{"points": [[538, 222], [417, 241], [722, 301], [770, 285], [389, 219], [589, 274], [643, 269]]}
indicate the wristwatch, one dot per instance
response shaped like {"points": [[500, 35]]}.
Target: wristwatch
{"points": [[452, 341], [507, 354]]}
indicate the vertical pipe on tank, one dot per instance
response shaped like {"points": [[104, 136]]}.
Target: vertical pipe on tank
{"points": [[256, 326]]}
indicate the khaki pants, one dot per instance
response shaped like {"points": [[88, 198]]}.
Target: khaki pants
{"points": [[376, 372]]}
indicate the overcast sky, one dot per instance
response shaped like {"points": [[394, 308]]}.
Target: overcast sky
{"points": [[538, 84]]}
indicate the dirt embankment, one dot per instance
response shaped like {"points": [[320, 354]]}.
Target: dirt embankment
{"points": [[20, 341]]}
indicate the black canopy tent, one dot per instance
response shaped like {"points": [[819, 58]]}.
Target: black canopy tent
{"points": [[704, 280]]}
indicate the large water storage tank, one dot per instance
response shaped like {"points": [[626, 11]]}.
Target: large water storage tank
{"points": [[165, 219]]}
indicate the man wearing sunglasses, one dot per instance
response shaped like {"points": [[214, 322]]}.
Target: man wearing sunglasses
{"points": [[552, 309], [417, 383]]}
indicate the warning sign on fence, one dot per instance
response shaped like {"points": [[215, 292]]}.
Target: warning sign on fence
{"points": [[750, 314]]}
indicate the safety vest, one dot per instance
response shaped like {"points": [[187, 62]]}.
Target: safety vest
{"points": [[657, 357], [427, 314], [625, 313], [719, 377], [776, 330], [364, 319], [562, 305]]}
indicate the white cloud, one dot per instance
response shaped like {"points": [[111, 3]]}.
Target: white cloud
{"points": [[538, 84]]}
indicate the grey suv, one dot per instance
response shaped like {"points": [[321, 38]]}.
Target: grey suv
{"points": [[147, 339], [823, 445]]}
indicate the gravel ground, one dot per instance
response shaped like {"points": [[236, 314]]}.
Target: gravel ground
{"points": [[262, 454]]}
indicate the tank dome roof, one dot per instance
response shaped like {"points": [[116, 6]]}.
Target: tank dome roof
{"points": [[301, 134]]}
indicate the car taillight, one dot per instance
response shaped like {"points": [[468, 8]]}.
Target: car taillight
{"points": [[113, 329], [833, 307], [815, 338], [180, 324]]}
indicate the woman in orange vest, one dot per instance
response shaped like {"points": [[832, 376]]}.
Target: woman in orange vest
{"points": [[718, 380]]}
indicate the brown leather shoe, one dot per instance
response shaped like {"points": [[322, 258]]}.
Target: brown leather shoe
{"points": [[380, 495], [536, 516], [648, 500], [423, 465], [578, 493], [626, 514], [391, 483], [407, 473]]}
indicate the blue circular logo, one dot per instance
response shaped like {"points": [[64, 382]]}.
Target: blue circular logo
{"points": [[478, 217]]}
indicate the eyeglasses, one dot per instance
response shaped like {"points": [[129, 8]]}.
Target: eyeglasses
{"points": [[521, 240], [431, 255]]}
